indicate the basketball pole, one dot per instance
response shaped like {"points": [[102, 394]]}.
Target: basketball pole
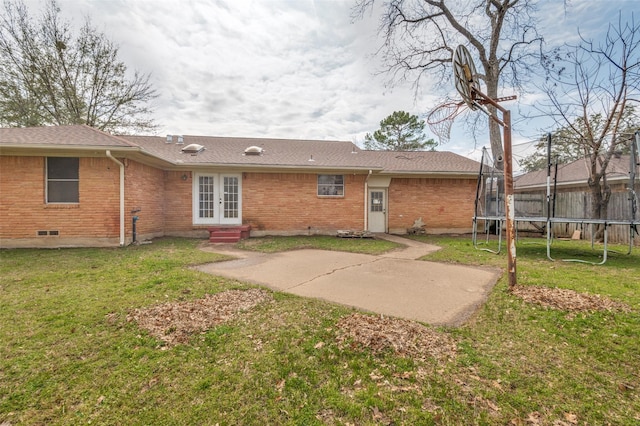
{"points": [[508, 181], [464, 72]]}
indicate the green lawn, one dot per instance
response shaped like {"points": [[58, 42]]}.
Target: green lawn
{"points": [[68, 354]]}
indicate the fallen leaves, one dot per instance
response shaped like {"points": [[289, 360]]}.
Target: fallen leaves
{"points": [[568, 300], [538, 419], [405, 338], [176, 322]]}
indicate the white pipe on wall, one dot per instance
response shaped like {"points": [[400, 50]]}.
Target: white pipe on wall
{"points": [[366, 201], [121, 195]]}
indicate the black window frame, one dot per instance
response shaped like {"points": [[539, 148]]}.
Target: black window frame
{"points": [[330, 185], [62, 180]]}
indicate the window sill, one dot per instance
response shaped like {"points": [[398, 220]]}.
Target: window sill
{"points": [[62, 206]]}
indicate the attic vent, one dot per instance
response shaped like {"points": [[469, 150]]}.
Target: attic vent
{"points": [[253, 150], [193, 149], [169, 138], [180, 140]]}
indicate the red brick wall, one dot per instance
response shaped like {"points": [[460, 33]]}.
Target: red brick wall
{"points": [[23, 211], [144, 190], [95, 220], [271, 202], [443, 204], [178, 203], [288, 202]]}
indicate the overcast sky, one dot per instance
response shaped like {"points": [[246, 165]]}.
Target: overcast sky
{"points": [[286, 68]]}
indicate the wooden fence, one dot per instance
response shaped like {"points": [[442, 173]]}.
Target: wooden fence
{"points": [[575, 205], [571, 205]]}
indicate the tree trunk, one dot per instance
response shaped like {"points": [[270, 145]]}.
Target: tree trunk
{"points": [[600, 195], [495, 134]]}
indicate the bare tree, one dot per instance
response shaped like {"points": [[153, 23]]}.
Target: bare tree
{"points": [[592, 88], [48, 75], [420, 37], [568, 146]]}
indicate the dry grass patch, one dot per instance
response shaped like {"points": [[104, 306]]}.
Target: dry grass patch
{"points": [[568, 300], [176, 322], [405, 338]]}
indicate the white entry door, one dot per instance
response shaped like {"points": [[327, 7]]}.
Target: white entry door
{"points": [[377, 210], [217, 199]]}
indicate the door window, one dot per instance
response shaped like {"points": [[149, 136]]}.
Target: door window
{"points": [[206, 197], [231, 197], [377, 201]]}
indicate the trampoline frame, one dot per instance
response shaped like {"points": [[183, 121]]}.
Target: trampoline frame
{"points": [[550, 220]]}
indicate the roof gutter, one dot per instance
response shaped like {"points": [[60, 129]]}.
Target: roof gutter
{"points": [[67, 147], [112, 158]]}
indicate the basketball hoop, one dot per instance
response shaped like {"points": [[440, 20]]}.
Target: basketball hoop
{"points": [[464, 75], [441, 118], [466, 82]]}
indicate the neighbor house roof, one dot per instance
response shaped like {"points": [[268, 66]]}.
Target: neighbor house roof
{"points": [[575, 173], [230, 151]]}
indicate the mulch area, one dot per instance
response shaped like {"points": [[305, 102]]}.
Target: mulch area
{"points": [[177, 322], [568, 300], [405, 338]]}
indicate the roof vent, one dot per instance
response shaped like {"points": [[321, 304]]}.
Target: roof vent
{"points": [[169, 138], [253, 150], [180, 140], [193, 149]]}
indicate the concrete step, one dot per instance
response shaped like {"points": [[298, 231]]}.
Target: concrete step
{"points": [[228, 234], [224, 236]]}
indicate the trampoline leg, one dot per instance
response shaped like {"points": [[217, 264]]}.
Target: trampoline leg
{"points": [[604, 254], [474, 232], [549, 241]]}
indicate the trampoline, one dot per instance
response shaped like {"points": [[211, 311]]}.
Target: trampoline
{"points": [[541, 216]]}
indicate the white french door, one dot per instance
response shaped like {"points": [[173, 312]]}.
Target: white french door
{"points": [[217, 199]]}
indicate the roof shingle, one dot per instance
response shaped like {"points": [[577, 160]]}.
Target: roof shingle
{"points": [[230, 151], [79, 135], [576, 172]]}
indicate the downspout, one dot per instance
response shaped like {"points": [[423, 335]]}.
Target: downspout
{"points": [[108, 153], [366, 200]]}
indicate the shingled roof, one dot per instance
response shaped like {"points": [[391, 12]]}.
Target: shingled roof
{"points": [[419, 161], [275, 152], [575, 173], [230, 151], [71, 136]]}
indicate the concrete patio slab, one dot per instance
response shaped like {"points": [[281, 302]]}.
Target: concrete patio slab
{"points": [[392, 284]]}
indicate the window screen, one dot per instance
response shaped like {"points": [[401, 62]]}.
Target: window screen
{"points": [[331, 185], [63, 180]]}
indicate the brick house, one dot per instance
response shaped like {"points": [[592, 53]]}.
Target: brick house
{"points": [[78, 186]]}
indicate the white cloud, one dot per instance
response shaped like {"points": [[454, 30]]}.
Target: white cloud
{"points": [[283, 68]]}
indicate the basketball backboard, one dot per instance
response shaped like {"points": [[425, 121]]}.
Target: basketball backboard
{"points": [[464, 74]]}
